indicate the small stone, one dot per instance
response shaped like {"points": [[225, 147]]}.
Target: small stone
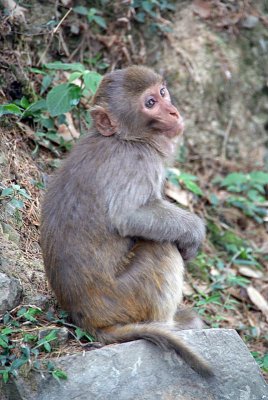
{"points": [[3, 159], [250, 22], [13, 235], [10, 293], [39, 300]]}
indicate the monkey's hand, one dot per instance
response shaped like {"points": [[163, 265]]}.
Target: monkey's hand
{"points": [[189, 243], [161, 221]]}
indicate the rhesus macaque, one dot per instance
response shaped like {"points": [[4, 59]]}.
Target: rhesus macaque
{"points": [[112, 244]]}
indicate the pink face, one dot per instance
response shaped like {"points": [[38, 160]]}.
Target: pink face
{"points": [[163, 116]]}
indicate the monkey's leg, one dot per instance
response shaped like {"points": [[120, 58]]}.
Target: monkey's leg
{"points": [[154, 279], [148, 288], [142, 302]]}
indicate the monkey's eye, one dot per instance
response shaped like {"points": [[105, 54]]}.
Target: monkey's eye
{"points": [[150, 103], [162, 91]]}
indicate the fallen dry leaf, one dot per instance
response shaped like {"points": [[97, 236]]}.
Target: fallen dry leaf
{"points": [[258, 300], [202, 8], [250, 273], [180, 196], [187, 289], [68, 132]]}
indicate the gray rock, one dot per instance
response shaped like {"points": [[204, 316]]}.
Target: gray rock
{"points": [[250, 22], [39, 300], [3, 159], [10, 293], [13, 235], [140, 371]]}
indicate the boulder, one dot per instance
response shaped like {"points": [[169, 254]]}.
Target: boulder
{"points": [[140, 371], [10, 293]]}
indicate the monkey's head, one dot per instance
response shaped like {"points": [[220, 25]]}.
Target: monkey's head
{"points": [[134, 104]]}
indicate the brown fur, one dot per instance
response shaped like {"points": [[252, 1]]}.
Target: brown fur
{"points": [[110, 240]]}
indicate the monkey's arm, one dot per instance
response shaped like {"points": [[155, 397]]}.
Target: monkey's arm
{"points": [[162, 221]]}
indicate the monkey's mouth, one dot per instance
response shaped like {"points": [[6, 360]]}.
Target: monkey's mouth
{"points": [[174, 130], [170, 130]]}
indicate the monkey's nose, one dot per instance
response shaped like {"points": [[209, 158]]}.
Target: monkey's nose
{"points": [[174, 112]]}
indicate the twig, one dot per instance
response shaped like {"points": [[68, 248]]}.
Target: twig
{"points": [[226, 137], [61, 21], [52, 36]]}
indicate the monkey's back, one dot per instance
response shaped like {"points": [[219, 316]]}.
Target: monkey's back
{"points": [[78, 240]]}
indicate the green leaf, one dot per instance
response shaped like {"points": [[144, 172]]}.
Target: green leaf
{"points": [[140, 17], [28, 337], [100, 21], [255, 196], [51, 335], [24, 102], [147, 6], [265, 362], [17, 203], [63, 98], [39, 105], [259, 177], [5, 375], [37, 71], [46, 82], [80, 334], [47, 347], [74, 76], [23, 193], [37, 364], [65, 67], [21, 311], [6, 109], [8, 331], [92, 80], [46, 122], [80, 10], [7, 192], [184, 176], [235, 178], [58, 373], [214, 200], [193, 187], [234, 280], [50, 366], [3, 342], [17, 363], [26, 352]]}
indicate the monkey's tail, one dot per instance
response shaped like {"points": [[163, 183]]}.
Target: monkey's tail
{"points": [[158, 334]]}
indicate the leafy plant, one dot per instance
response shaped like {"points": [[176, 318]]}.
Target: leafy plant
{"points": [[21, 345], [93, 15], [49, 112], [19, 348], [184, 179], [15, 195], [151, 11], [262, 360], [251, 188], [205, 299], [80, 334]]}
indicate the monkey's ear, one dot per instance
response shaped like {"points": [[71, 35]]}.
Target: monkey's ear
{"points": [[103, 122]]}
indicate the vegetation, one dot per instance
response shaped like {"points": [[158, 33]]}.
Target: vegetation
{"points": [[28, 336]]}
